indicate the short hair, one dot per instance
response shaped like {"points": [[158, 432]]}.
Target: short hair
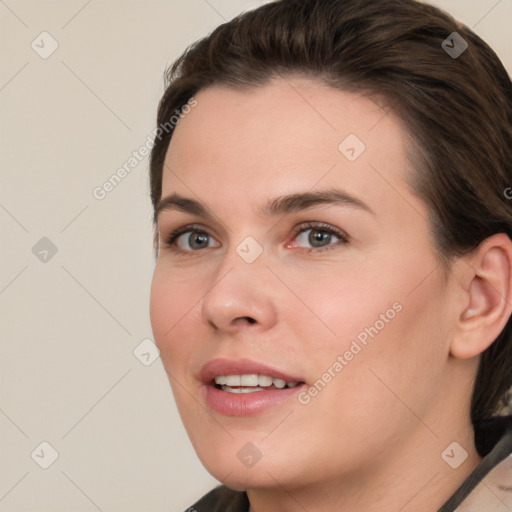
{"points": [[456, 106]]}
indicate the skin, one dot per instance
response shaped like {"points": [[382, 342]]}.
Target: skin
{"points": [[372, 438]]}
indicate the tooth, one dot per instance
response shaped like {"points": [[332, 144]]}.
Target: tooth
{"points": [[249, 380], [231, 390], [279, 383], [233, 380], [265, 380], [240, 390], [250, 390], [252, 380]]}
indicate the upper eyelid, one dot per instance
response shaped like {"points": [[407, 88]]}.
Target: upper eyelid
{"points": [[163, 227], [302, 226], [321, 226]]}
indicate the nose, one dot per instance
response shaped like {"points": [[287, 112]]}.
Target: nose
{"points": [[241, 296]]}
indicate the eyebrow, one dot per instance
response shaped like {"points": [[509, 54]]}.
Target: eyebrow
{"points": [[274, 207]]}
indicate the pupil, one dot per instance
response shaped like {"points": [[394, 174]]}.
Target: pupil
{"points": [[198, 238], [317, 237]]}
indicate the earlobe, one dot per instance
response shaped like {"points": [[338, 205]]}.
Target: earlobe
{"points": [[489, 295]]}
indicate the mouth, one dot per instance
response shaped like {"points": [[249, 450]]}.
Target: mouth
{"points": [[251, 383], [245, 388]]}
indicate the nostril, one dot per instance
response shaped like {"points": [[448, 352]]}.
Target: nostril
{"points": [[249, 319]]}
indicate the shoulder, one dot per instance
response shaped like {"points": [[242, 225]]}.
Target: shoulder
{"points": [[221, 499]]}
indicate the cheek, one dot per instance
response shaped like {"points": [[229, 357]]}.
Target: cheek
{"points": [[389, 380], [174, 309], [384, 320], [343, 301], [175, 320]]}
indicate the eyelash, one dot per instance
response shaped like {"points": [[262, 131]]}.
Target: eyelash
{"points": [[318, 226]]}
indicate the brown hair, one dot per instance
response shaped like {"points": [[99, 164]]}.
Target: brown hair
{"points": [[458, 111]]}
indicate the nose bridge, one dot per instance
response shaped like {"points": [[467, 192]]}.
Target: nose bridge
{"points": [[245, 261], [239, 289]]}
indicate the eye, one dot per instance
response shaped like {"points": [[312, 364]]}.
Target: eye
{"points": [[319, 236], [190, 239]]}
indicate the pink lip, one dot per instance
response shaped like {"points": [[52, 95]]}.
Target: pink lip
{"points": [[244, 404]]}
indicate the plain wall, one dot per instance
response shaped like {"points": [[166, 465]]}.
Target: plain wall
{"points": [[70, 321]]}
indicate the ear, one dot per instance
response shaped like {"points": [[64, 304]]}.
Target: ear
{"points": [[487, 305]]}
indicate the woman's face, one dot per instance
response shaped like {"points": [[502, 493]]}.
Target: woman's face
{"points": [[303, 257]]}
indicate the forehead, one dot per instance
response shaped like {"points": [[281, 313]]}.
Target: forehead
{"points": [[284, 137]]}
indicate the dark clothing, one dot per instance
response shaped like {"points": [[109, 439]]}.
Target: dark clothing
{"points": [[222, 499]]}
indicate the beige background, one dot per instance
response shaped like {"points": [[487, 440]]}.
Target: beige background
{"points": [[70, 324]]}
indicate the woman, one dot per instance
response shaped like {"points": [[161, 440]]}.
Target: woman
{"points": [[333, 284]]}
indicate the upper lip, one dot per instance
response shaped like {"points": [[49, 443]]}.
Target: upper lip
{"points": [[216, 367]]}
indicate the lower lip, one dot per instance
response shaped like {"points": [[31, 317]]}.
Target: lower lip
{"points": [[247, 404]]}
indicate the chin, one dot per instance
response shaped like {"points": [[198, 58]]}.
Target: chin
{"points": [[254, 478], [230, 468]]}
